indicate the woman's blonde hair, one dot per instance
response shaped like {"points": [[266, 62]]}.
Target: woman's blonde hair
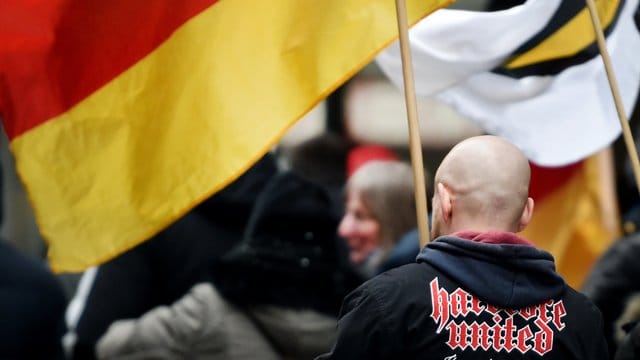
{"points": [[386, 189]]}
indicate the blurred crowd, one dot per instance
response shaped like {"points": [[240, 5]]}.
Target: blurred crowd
{"points": [[260, 269]]}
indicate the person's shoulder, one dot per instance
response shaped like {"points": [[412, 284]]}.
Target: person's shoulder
{"points": [[576, 301], [577, 296], [400, 279], [387, 292], [23, 273], [389, 299], [615, 269]]}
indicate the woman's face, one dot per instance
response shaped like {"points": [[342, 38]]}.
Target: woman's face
{"points": [[359, 228]]}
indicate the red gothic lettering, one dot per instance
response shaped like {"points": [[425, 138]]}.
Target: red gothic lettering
{"points": [[528, 313], [524, 335], [558, 313], [457, 335], [543, 312], [492, 309], [480, 336], [501, 332], [459, 303], [499, 338], [509, 330], [475, 306], [439, 305], [543, 338], [496, 338]]}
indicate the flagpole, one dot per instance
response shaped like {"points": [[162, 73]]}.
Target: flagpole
{"points": [[608, 204], [626, 132], [415, 146]]}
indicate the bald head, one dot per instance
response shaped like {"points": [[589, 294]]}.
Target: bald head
{"points": [[484, 180]]}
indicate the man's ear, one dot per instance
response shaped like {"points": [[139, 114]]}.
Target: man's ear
{"points": [[444, 199], [527, 213]]}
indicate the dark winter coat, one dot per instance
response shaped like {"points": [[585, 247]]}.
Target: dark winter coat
{"points": [[291, 255], [612, 281], [496, 297], [32, 305]]}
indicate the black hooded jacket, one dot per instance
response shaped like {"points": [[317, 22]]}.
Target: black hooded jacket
{"points": [[482, 296]]}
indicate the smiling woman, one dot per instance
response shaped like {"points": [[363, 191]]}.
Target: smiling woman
{"points": [[380, 216], [360, 228]]}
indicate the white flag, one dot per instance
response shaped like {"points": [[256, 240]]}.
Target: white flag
{"points": [[531, 73]]}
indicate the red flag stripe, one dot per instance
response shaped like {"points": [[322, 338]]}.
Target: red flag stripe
{"points": [[94, 48], [545, 180]]}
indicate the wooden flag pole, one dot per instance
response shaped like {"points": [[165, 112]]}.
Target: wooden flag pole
{"points": [[414, 134], [628, 137], [606, 183]]}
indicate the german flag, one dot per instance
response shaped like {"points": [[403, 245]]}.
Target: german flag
{"points": [[122, 115], [575, 215]]}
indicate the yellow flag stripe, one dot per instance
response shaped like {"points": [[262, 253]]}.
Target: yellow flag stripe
{"points": [[570, 39], [577, 241]]}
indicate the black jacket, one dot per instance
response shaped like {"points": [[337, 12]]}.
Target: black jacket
{"points": [[612, 280], [630, 347], [291, 255], [455, 302], [32, 305]]}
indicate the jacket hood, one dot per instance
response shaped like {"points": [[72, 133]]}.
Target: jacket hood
{"points": [[497, 267]]}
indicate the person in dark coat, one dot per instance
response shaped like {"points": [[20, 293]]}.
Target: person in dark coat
{"points": [[478, 290], [275, 295], [629, 348], [164, 268], [291, 255], [611, 285], [32, 304]]}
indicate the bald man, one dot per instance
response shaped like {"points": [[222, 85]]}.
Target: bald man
{"points": [[478, 290]]}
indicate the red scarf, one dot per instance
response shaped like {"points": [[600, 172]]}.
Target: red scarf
{"points": [[493, 237]]}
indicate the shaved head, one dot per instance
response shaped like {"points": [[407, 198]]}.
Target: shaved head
{"points": [[482, 184]]}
